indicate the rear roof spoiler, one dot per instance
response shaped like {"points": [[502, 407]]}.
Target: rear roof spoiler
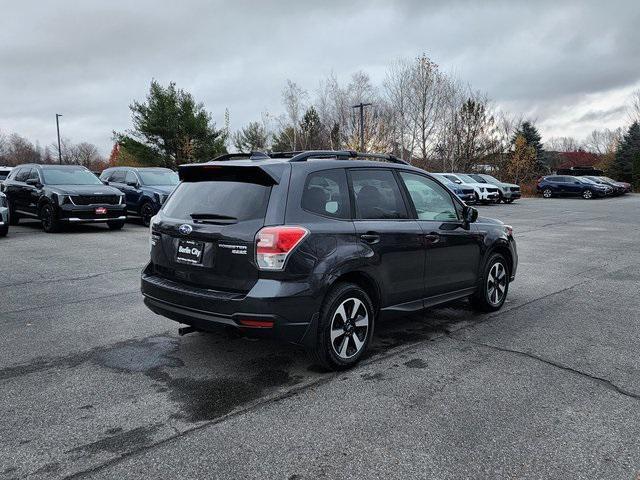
{"points": [[202, 172]]}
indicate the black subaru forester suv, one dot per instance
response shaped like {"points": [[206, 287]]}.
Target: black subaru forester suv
{"points": [[314, 248]]}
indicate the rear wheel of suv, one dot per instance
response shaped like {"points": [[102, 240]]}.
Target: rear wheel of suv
{"points": [[115, 225], [547, 193], [587, 194], [345, 327], [50, 222], [495, 285]]}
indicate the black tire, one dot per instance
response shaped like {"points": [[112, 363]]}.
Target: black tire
{"points": [[4, 230], [49, 219], [547, 193], [115, 225], [146, 212], [14, 217], [587, 195], [327, 352], [487, 298]]}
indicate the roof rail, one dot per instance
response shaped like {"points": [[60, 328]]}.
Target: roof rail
{"points": [[339, 155]]}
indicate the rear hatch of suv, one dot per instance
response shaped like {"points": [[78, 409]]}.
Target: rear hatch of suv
{"points": [[204, 236]]}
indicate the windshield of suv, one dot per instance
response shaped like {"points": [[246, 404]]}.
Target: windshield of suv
{"points": [[607, 179], [69, 176], [466, 178], [218, 201], [478, 178], [491, 179], [158, 178]]}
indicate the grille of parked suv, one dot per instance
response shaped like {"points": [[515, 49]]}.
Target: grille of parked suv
{"points": [[515, 189], [492, 190], [95, 199], [467, 191]]}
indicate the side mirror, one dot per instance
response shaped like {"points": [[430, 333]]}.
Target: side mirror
{"points": [[34, 182], [133, 184], [469, 214]]}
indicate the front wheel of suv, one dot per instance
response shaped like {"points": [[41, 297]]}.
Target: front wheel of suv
{"points": [[495, 285], [345, 327], [587, 194], [50, 222], [14, 217], [547, 193]]}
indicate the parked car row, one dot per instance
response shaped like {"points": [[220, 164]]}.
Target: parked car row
{"points": [[58, 195], [587, 187], [481, 188]]}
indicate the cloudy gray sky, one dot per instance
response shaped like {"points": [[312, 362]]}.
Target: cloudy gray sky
{"points": [[571, 65]]}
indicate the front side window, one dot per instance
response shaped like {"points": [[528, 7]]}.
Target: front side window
{"points": [[69, 176], [326, 193], [131, 178], [158, 178], [478, 178], [22, 174], [117, 176], [431, 200], [377, 195]]}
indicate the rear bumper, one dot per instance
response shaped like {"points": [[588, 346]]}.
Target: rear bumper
{"points": [[272, 308], [87, 214]]}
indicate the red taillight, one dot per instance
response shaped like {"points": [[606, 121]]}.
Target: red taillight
{"points": [[273, 245]]}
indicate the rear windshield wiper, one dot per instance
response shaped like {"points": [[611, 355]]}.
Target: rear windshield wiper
{"points": [[213, 218]]}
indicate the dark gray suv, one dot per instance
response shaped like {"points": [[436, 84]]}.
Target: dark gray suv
{"points": [[315, 247]]}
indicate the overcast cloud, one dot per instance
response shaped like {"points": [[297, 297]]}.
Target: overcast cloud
{"points": [[569, 65]]}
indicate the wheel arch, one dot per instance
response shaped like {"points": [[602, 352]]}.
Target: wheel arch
{"points": [[504, 250], [364, 281]]}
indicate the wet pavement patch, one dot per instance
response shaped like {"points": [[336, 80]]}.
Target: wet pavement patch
{"points": [[416, 363], [148, 354], [376, 377], [120, 442], [208, 399]]}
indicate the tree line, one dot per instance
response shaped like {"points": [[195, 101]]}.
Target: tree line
{"points": [[418, 113]]}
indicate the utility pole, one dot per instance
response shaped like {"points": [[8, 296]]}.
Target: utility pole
{"points": [[58, 128], [361, 107]]}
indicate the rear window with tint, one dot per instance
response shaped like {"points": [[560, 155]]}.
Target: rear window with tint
{"points": [[235, 200]]}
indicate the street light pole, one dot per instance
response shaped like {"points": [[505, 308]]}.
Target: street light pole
{"points": [[361, 107], [58, 128]]}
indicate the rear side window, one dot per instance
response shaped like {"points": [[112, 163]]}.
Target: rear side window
{"points": [[218, 200], [131, 177], [326, 193], [377, 195], [33, 175]]}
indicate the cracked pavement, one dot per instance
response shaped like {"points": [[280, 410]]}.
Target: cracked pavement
{"points": [[96, 386]]}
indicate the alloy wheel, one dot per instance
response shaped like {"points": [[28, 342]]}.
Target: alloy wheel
{"points": [[546, 193], [496, 283], [587, 194], [146, 214], [46, 217], [349, 328]]}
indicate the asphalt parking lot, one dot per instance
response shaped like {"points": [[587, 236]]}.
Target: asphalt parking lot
{"points": [[96, 386]]}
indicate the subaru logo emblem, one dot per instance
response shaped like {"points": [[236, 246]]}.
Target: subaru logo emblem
{"points": [[185, 229]]}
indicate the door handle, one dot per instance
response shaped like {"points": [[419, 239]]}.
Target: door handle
{"points": [[432, 238], [370, 237]]}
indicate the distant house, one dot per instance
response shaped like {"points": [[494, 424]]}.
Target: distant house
{"points": [[578, 159]]}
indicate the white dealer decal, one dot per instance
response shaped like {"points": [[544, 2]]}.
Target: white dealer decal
{"points": [[235, 249]]}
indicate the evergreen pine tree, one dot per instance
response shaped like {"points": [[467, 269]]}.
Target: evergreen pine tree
{"points": [[533, 139], [626, 166]]}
